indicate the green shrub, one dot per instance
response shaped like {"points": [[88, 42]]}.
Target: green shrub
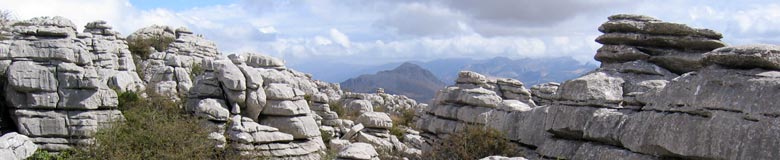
{"points": [[397, 131], [128, 98], [405, 117], [326, 136], [342, 112], [196, 71], [473, 143], [45, 155], [140, 46], [154, 128]]}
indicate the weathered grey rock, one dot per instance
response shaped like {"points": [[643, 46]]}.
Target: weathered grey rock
{"points": [[681, 43], [593, 89], [502, 158], [359, 106], [59, 83], [212, 109], [339, 144], [712, 89], [648, 25], [56, 26], [286, 108], [27, 76], [300, 127], [16, 146], [471, 77], [263, 61], [746, 57], [362, 151], [475, 96], [278, 91], [375, 120], [619, 53]]}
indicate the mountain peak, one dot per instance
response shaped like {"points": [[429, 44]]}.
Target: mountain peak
{"points": [[407, 79], [408, 66]]}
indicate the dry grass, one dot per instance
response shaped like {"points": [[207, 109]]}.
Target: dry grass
{"points": [[473, 143]]}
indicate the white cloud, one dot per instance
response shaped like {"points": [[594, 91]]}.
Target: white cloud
{"points": [[340, 38], [385, 31]]}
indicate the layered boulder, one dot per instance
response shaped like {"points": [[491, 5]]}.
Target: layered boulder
{"points": [[60, 84], [664, 90], [269, 116], [673, 46], [171, 71]]}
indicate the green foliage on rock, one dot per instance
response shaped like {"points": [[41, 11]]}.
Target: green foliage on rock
{"points": [[154, 128], [473, 143], [45, 155], [141, 46]]}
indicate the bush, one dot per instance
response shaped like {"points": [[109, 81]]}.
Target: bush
{"points": [[126, 99], [155, 128], [473, 143], [342, 112], [140, 46], [45, 155], [196, 71], [405, 117]]}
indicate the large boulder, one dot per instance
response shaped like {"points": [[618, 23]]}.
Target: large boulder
{"points": [[746, 57], [16, 146], [361, 151], [674, 46], [375, 120]]}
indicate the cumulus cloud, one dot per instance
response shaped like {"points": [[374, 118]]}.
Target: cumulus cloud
{"points": [[340, 38], [420, 19], [391, 31]]}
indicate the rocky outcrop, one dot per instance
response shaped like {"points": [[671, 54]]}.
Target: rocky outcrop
{"points": [[270, 117], [675, 47], [642, 103], [16, 146], [358, 151], [60, 84], [171, 72]]}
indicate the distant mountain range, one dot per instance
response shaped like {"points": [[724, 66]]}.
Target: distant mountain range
{"points": [[528, 70], [407, 79]]}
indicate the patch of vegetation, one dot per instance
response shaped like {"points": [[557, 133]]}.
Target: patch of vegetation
{"points": [[154, 128], [197, 70], [307, 97], [326, 136], [405, 117], [45, 155], [141, 46], [329, 154], [400, 121], [126, 99], [398, 131], [342, 112], [473, 143]]}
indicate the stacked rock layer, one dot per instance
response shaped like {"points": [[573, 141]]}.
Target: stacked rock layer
{"points": [[59, 84], [664, 90]]}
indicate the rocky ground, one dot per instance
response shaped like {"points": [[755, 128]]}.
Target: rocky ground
{"points": [[664, 90]]}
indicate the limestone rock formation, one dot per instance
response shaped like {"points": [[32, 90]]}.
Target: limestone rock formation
{"points": [[170, 72], [675, 47], [59, 83], [502, 158], [270, 116], [16, 146], [358, 151], [663, 91]]}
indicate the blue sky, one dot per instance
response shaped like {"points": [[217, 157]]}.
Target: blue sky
{"points": [[382, 31]]}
